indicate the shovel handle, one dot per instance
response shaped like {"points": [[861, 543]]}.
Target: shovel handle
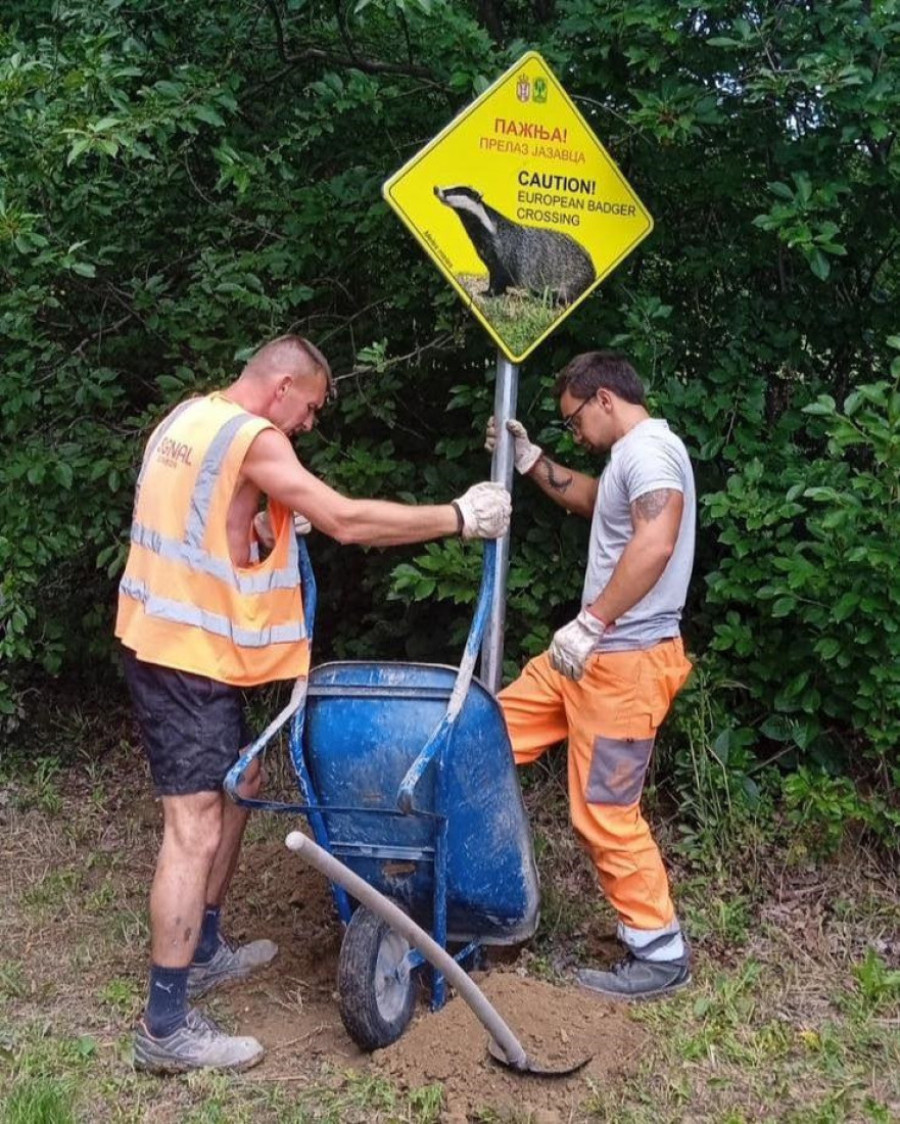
{"points": [[336, 871]]}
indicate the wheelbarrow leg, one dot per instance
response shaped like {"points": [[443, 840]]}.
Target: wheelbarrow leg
{"points": [[438, 987]]}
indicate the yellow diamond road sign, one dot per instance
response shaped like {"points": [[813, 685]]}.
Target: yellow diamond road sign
{"points": [[520, 206]]}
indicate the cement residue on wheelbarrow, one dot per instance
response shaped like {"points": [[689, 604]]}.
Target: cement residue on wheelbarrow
{"points": [[558, 1026]]}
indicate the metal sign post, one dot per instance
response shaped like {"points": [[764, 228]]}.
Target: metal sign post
{"points": [[505, 396]]}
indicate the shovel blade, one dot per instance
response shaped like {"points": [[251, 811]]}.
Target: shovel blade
{"points": [[529, 1066]]}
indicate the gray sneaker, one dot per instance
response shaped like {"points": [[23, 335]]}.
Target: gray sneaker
{"points": [[229, 963], [198, 1044], [632, 978]]}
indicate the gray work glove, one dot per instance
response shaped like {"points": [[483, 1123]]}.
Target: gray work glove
{"points": [[574, 642], [525, 454], [484, 511]]}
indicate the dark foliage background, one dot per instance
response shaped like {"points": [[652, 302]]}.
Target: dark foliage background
{"points": [[180, 181]]}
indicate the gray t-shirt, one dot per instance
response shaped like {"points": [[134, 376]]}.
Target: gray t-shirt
{"points": [[647, 458]]}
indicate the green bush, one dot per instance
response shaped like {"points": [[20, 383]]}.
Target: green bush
{"points": [[181, 181], [809, 592]]}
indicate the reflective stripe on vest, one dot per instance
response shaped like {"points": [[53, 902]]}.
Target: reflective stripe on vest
{"points": [[190, 552], [181, 613], [196, 558], [205, 484]]}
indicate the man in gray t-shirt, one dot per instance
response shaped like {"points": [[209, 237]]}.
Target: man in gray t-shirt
{"points": [[648, 459], [610, 675]]}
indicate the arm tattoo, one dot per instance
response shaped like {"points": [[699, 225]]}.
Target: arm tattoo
{"points": [[651, 504], [549, 471]]}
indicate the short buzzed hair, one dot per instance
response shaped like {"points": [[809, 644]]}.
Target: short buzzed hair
{"points": [[284, 351], [600, 370]]}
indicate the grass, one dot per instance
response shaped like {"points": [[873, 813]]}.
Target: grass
{"points": [[38, 1101], [122, 996], [13, 984], [57, 1080], [794, 1015], [729, 1051], [54, 891], [518, 317], [44, 1075]]}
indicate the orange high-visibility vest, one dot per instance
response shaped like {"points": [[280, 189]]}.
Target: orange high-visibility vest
{"points": [[182, 601]]}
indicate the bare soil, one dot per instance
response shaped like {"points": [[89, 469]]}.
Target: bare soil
{"points": [[76, 883], [793, 1015], [558, 1027], [292, 1008]]}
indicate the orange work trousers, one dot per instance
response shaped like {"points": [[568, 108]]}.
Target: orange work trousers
{"points": [[610, 717]]}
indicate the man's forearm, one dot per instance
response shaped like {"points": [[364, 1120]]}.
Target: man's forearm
{"points": [[382, 523], [656, 518], [575, 491], [638, 570]]}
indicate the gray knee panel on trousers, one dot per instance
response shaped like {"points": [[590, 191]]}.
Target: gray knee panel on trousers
{"points": [[618, 768]]}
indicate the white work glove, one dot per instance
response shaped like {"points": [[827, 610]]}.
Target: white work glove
{"points": [[302, 525], [484, 511], [574, 642], [525, 454]]}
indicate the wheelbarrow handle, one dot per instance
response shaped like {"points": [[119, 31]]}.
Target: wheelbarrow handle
{"points": [[257, 747], [444, 730], [297, 701]]}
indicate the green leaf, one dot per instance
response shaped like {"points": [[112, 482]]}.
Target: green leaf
{"points": [[819, 264], [777, 728], [174, 90], [209, 115], [783, 606], [424, 588], [64, 476], [845, 606], [781, 190], [824, 406], [77, 148], [722, 746]]}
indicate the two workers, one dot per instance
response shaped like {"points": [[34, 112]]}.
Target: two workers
{"points": [[200, 618]]}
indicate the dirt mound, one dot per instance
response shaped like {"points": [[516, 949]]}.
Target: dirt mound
{"points": [[558, 1026], [292, 1007]]}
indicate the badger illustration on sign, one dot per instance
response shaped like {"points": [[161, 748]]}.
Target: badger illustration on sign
{"points": [[518, 256]]}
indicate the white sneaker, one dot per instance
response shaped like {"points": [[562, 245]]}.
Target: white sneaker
{"points": [[197, 1044], [229, 963]]}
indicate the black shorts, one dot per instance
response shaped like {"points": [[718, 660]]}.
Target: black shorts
{"points": [[193, 728]]}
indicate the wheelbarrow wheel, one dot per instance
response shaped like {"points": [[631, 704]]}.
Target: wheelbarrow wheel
{"points": [[376, 990]]}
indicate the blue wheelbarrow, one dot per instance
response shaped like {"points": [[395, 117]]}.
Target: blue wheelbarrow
{"points": [[407, 778]]}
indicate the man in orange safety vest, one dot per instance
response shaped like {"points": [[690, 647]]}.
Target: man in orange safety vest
{"points": [[200, 617]]}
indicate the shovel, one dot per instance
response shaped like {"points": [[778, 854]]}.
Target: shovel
{"points": [[503, 1047]]}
